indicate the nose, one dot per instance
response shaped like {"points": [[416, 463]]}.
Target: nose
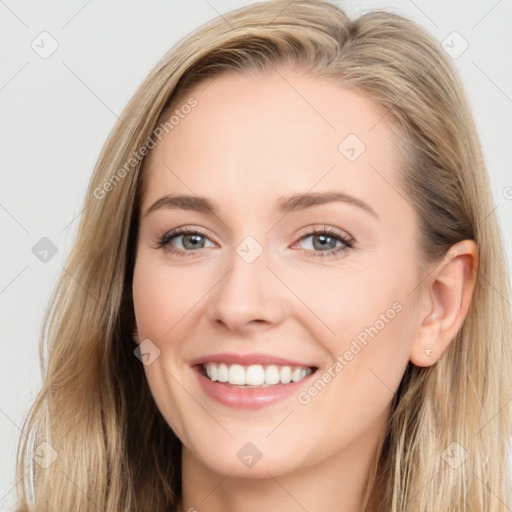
{"points": [[249, 297]]}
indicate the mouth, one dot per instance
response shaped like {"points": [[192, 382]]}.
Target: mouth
{"points": [[250, 381], [255, 375]]}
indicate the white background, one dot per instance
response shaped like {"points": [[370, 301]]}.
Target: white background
{"points": [[57, 113]]}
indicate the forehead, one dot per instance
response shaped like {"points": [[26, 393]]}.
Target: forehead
{"points": [[252, 135]]}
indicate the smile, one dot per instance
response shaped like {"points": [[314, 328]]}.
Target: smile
{"points": [[256, 375], [250, 381]]}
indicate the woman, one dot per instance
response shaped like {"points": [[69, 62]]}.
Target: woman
{"points": [[288, 288]]}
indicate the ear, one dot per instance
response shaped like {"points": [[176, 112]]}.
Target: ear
{"points": [[444, 302]]}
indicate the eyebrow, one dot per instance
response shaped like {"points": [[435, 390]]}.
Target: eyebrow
{"points": [[286, 204]]}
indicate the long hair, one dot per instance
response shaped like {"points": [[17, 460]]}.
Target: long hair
{"points": [[105, 443]]}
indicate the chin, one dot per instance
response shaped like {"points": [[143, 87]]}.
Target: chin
{"points": [[240, 457]]}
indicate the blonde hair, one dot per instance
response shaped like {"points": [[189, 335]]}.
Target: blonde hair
{"points": [[114, 449]]}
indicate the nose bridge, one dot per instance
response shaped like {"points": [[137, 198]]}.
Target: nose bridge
{"points": [[249, 292]]}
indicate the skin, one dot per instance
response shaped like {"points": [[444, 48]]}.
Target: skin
{"points": [[251, 139]]}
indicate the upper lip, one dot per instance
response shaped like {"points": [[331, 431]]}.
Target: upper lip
{"points": [[248, 360]]}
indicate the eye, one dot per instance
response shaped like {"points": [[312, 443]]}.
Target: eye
{"points": [[184, 240], [326, 242]]}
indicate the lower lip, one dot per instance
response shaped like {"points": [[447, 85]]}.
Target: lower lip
{"points": [[248, 398]]}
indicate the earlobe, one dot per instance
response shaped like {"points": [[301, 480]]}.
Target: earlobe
{"points": [[447, 295], [426, 350]]}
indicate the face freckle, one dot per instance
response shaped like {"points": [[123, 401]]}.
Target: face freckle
{"points": [[266, 184]]}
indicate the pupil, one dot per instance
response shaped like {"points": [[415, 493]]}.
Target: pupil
{"points": [[324, 240], [193, 240]]}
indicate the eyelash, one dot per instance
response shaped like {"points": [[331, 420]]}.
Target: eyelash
{"points": [[348, 242]]}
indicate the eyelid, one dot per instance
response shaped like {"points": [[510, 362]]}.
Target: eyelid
{"points": [[346, 240], [163, 241], [319, 229]]}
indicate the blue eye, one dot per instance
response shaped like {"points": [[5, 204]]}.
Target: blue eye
{"points": [[326, 242], [191, 240]]}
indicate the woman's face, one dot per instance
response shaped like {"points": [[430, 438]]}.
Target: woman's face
{"points": [[299, 262]]}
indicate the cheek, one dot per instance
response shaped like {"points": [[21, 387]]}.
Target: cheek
{"points": [[163, 297], [166, 303], [362, 302], [363, 317]]}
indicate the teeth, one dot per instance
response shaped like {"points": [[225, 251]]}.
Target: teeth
{"points": [[255, 375], [237, 375], [296, 374], [223, 373], [285, 374], [272, 374]]}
